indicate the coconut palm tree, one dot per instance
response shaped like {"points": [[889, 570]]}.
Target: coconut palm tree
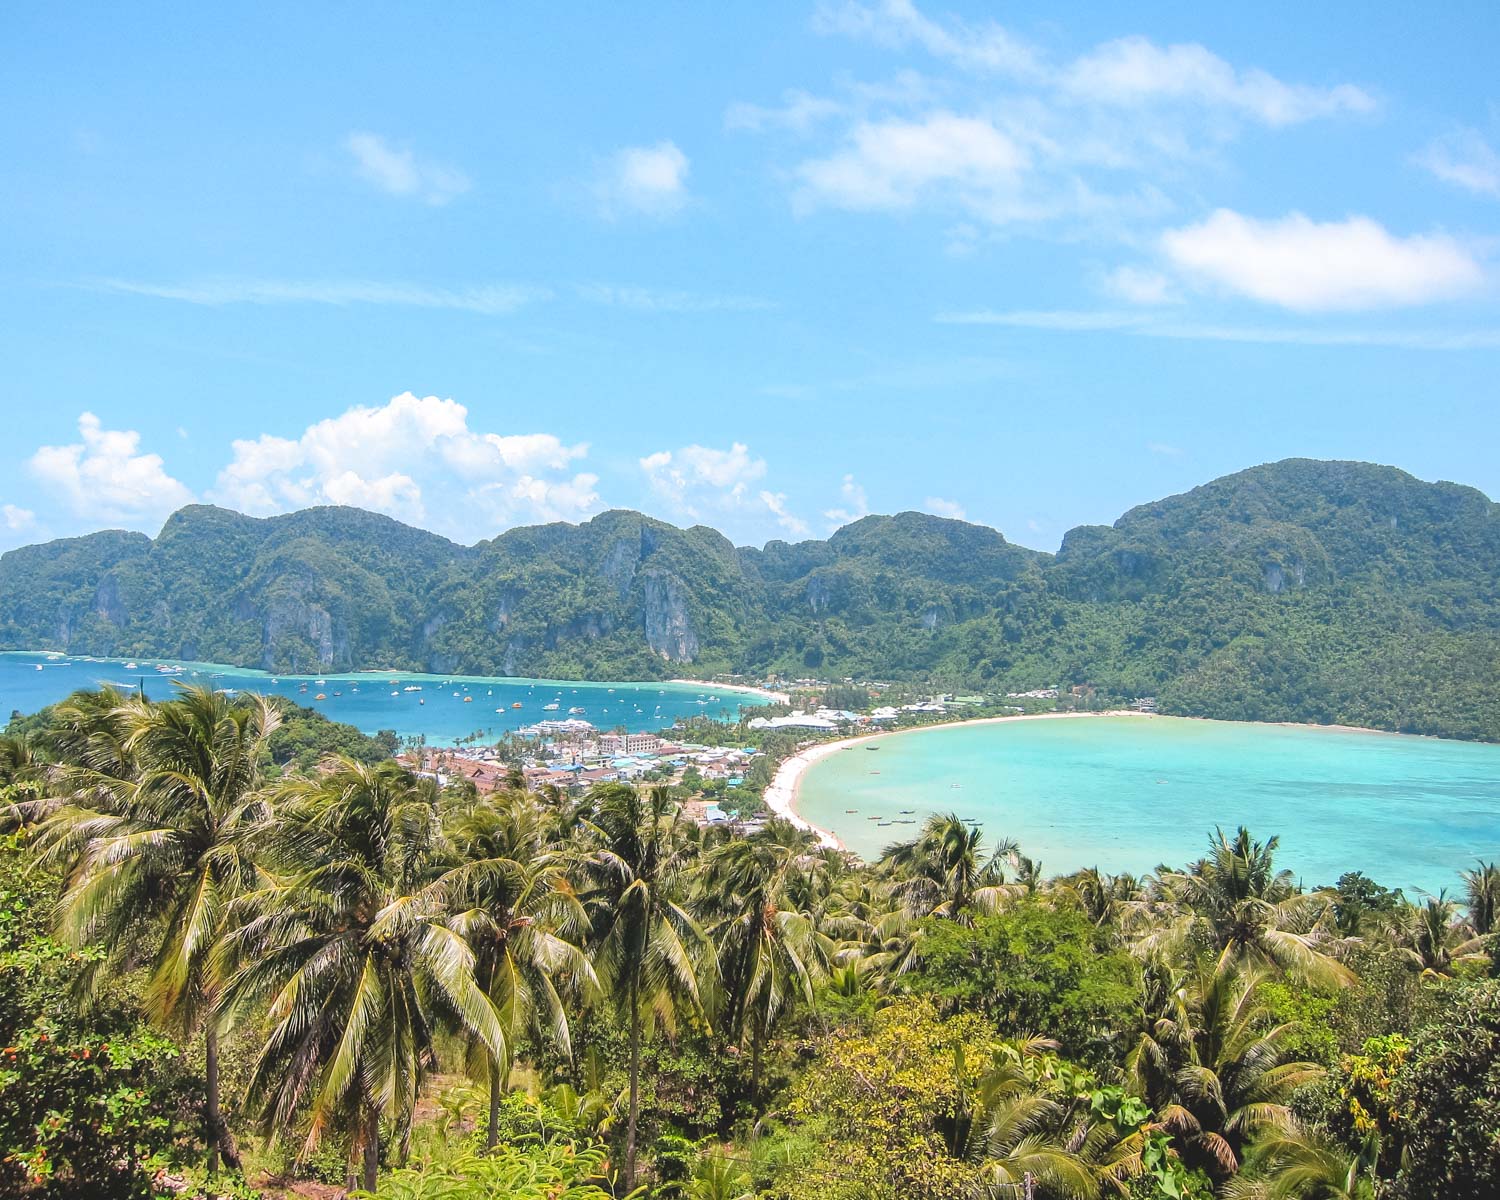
{"points": [[649, 950], [1235, 900], [509, 898], [943, 872], [1300, 1164], [1435, 940], [1211, 1063], [155, 844], [769, 953], [1482, 888], [355, 957]]}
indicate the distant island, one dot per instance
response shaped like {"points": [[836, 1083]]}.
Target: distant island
{"points": [[1302, 590]]}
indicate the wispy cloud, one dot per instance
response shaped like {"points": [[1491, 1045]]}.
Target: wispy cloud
{"points": [[645, 299], [489, 300], [1465, 159], [1147, 325], [397, 171]]}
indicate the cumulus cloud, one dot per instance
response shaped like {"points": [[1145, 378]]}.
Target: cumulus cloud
{"points": [[105, 477], [1312, 266], [944, 508], [397, 171], [1008, 133], [855, 504], [891, 164], [1464, 159], [719, 487], [1134, 71], [396, 457], [649, 180], [17, 518]]}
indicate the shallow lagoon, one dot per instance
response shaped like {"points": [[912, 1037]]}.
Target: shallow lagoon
{"points": [[365, 700], [1128, 793]]}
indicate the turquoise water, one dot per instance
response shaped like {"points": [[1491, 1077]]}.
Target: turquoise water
{"points": [[365, 700], [1126, 794]]}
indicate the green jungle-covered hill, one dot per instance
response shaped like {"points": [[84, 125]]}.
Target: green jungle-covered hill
{"points": [[1299, 590]]}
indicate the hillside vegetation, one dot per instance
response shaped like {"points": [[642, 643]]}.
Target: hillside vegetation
{"points": [[1299, 590]]}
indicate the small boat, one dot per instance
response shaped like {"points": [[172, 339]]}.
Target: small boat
{"points": [[335, 693], [320, 682], [851, 810], [517, 704], [455, 695], [411, 687], [320, 696], [419, 699], [576, 712], [549, 708], [132, 666], [39, 666], [468, 699]]}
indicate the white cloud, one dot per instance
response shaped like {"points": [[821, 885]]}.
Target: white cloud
{"points": [[488, 300], [393, 458], [1164, 449], [1312, 266], [1004, 133], [1465, 159], [892, 164], [17, 518], [944, 508], [776, 502], [651, 180], [719, 487], [104, 477], [897, 24], [641, 299], [399, 172], [855, 504], [1140, 285], [1134, 71], [1139, 324], [695, 476]]}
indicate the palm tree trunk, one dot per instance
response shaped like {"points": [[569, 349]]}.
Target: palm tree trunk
{"points": [[635, 1077], [372, 1150], [220, 1140], [492, 1134], [755, 1040]]}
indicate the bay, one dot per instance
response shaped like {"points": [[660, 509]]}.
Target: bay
{"points": [[1130, 793], [444, 709]]}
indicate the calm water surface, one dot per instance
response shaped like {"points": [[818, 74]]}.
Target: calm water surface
{"points": [[1126, 794], [373, 702]]}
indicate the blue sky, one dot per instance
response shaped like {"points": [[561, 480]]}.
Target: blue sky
{"points": [[763, 267]]}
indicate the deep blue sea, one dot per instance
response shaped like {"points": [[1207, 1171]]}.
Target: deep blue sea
{"points": [[446, 708]]}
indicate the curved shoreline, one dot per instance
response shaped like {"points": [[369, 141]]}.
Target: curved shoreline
{"points": [[744, 689], [780, 795]]}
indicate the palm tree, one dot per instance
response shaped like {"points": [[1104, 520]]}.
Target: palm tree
{"points": [[1299, 1164], [1482, 886], [510, 900], [648, 949], [943, 872], [1026, 1138], [164, 800], [769, 953], [1210, 1061], [1435, 940], [355, 956], [1237, 901]]}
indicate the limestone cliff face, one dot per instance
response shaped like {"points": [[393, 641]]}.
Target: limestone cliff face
{"points": [[669, 629]]}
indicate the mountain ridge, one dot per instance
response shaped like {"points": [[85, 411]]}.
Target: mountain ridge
{"points": [[1302, 589]]}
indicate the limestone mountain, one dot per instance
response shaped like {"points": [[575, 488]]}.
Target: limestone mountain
{"points": [[1329, 591]]}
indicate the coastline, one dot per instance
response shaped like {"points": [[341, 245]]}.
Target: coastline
{"points": [[780, 795], [744, 689]]}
